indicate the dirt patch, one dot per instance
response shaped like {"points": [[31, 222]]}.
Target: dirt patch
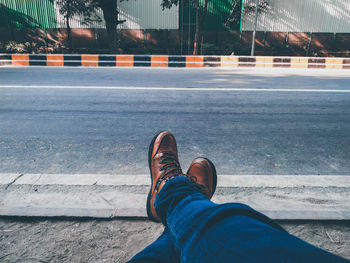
{"points": [[71, 240]]}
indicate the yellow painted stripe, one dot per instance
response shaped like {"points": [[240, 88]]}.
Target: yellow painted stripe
{"points": [[229, 61], [334, 63], [299, 62], [260, 62], [268, 62]]}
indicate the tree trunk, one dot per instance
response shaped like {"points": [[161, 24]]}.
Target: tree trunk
{"points": [[196, 33], [109, 9], [196, 42], [198, 29], [112, 37]]}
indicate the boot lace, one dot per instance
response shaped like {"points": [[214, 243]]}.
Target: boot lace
{"points": [[170, 167]]}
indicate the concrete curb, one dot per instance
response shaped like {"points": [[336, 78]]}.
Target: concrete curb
{"points": [[86, 60], [287, 197]]}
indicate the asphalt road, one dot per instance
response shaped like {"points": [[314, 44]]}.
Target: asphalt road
{"points": [[266, 121]]}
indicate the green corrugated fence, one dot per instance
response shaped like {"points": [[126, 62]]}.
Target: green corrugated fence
{"points": [[28, 14], [217, 14]]}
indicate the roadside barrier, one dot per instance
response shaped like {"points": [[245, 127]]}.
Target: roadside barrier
{"points": [[87, 60]]}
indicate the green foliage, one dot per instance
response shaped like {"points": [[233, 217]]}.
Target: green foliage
{"points": [[14, 47], [262, 6], [234, 19], [17, 47], [169, 3]]}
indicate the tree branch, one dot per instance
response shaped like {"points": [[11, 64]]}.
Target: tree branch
{"points": [[231, 13], [121, 21]]}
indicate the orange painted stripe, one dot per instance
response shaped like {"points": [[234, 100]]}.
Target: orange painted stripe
{"points": [[125, 60], [159, 61], [194, 61], [89, 60], [20, 59], [54, 60]]}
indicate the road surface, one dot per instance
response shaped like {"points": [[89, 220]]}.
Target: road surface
{"points": [[101, 120]]}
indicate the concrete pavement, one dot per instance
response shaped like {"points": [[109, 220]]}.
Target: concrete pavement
{"points": [[311, 197]]}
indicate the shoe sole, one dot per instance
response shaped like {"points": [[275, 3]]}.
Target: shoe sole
{"points": [[150, 150], [215, 178]]}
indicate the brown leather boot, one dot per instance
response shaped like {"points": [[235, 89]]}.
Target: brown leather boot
{"points": [[163, 164], [202, 172]]}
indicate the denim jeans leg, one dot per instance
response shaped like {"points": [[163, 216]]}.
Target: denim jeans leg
{"points": [[206, 232], [160, 251]]}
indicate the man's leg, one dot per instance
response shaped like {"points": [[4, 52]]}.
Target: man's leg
{"points": [[207, 232], [160, 251], [163, 249]]}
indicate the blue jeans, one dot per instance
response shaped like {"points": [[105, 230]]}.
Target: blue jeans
{"points": [[198, 230]]}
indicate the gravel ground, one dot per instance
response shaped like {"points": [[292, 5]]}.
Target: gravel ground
{"points": [[72, 240]]}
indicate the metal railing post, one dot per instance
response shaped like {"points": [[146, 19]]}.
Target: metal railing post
{"points": [[255, 22]]}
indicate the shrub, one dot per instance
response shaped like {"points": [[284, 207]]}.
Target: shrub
{"points": [[14, 47]]}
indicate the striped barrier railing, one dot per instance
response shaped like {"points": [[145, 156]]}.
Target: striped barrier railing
{"points": [[87, 60]]}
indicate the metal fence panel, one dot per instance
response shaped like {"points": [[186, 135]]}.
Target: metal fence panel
{"points": [[298, 16], [148, 14], [139, 14], [27, 14], [218, 12]]}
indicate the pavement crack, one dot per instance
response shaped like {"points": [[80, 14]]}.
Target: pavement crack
{"points": [[108, 202], [11, 183], [37, 180]]}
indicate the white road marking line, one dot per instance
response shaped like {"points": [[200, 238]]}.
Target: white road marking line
{"points": [[278, 181], [176, 88]]}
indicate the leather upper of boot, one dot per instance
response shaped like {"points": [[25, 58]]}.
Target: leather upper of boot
{"points": [[201, 173], [164, 164]]}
